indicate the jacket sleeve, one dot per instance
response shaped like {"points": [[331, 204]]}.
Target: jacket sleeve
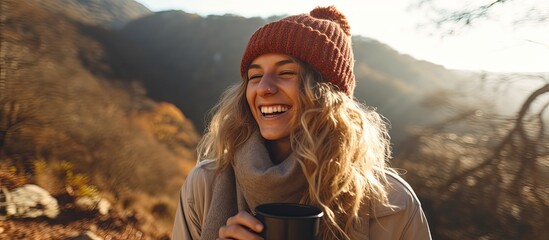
{"points": [[194, 200], [404, 220], [417, 227], [181, 229]]}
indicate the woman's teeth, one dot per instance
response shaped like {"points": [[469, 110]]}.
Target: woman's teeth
{"points": [[274, 109]]}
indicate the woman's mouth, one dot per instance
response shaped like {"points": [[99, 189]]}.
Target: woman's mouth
{"points": [[274, 110]]}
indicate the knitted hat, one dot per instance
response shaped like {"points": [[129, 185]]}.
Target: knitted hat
{"points": [[321, 38]]}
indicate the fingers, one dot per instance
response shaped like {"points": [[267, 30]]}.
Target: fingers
{"points": [[245, 219], [237, 232], [240, 226]]}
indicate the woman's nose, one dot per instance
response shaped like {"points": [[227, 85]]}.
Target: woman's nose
{"points": [[267, 85]]}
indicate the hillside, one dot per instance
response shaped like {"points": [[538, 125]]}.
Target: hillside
{"points": [[74, 126], [106, 13], [190, 59]]}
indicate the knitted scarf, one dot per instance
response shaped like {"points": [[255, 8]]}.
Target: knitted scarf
{"points": [[253, 179]]}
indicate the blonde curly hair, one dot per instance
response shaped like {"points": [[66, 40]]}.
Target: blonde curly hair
{"points": [[341, 145]]}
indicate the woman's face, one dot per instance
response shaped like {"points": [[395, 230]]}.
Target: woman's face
{"points": [[272, 93]]}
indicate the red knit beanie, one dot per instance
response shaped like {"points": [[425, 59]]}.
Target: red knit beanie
{"points": [[321, 38]]}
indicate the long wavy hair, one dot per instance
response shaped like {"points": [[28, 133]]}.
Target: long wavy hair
{"points": [[341, 145]]}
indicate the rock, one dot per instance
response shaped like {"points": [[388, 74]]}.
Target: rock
{"points": [[103, 206], [31, 201], [3, 203], [95, 203], [92, 227], [87, 235]]}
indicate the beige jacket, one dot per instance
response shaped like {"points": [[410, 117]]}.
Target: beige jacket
{"points": [[405, 220]]}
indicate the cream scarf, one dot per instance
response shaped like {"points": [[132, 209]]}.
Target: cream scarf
{"points": [[252, 180]]}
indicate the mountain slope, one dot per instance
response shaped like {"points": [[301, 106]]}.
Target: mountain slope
{"points": [[190, 59], [63, 104], [107, 13]]}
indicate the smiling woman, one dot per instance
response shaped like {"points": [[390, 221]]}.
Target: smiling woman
{"points": [[291, 132], [272, 93]]}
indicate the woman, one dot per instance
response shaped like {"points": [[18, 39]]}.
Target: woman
{"points": [[291, 132]]}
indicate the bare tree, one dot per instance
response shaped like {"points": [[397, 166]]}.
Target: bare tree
{"points": [[451, 20], [484, 174]]}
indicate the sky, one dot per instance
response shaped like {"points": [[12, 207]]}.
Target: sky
{"points": [[495, 45]]}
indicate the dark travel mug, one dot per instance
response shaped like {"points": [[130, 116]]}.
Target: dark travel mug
{"points": [[289, 221]]}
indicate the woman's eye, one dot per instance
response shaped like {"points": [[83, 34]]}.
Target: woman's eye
{"points": [[287, 73], [254, 77]]}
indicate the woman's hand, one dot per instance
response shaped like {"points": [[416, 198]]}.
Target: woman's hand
{"points": [[241, 226]]}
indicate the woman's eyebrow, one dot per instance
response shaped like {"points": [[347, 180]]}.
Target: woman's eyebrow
{"points": [[278, 64], [283, 62], [253, 66]]}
